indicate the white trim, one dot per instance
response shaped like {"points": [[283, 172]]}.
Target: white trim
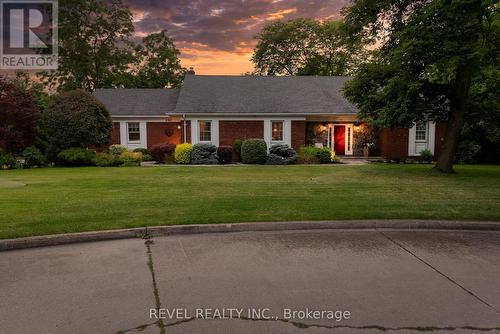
{"points": [[238, 118], [143, 143], [428, 144], [432, 137], [195, 131], [347, 140], [287, 132]]}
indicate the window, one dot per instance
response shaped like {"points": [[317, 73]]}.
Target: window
{"points": [[134, 132], [421, 132], [205, 130], [277, 131]]}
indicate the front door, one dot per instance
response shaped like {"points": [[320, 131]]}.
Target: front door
{"points": [[339, 142]]}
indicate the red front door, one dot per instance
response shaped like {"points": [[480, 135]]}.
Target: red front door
{"points": [[339, 136]]}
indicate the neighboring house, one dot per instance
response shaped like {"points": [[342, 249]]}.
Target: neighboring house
{"points": [[300, 110]]}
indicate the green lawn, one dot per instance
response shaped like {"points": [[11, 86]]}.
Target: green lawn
{"points": [[58, 200]]}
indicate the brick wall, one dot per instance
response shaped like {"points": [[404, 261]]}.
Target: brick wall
{"points": [[163, 132], [115, 135], [229, 131], [393, 144], [440, 131], [298, 134]]}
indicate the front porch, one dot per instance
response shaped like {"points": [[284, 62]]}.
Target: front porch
{"points": [[347, 137]]}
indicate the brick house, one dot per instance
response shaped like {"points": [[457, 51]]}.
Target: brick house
{"points": [[301, 110]]}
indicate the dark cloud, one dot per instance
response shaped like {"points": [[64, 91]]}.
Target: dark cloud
{"points": [[223, 25]]}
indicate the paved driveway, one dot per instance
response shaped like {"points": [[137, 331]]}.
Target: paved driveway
{"points": [[290, 282]]}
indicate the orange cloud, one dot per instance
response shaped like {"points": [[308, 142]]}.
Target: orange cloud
{"points": [[280, 14]]}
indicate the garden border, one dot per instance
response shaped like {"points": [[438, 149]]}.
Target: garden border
{"points": [[155, 231]]}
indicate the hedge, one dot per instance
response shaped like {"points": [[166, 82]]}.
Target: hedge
{"points": [[254, 151], [76, 157]]}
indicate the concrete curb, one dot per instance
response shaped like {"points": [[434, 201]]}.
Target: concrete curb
{"points": [[142, 232]]}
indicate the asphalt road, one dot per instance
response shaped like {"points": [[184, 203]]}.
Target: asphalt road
{"points": [[290, 282]]}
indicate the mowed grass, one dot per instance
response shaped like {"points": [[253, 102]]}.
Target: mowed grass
{"points": [[58, 200]]}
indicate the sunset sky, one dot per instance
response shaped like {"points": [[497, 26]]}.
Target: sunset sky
{"points": [[217, 36]]}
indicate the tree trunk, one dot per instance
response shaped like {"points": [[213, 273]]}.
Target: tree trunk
{"points": [[458, 105]]}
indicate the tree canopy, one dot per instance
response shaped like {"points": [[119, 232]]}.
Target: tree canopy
{"points": [[305, 47], [158, 62], [96, 50], [430, 64]]}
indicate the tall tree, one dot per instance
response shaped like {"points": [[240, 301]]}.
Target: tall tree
{"points": [[18, 116], [158, 62], [304, 47], [25, 82], [431, 53], [94, 47]]}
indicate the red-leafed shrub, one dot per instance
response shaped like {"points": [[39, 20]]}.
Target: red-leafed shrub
{"points": [[18, 115], [161, 152], [225, 154]]}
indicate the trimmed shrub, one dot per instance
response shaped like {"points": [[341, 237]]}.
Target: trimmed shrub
{"points": [[107, 160], [7, 161], [161, 152], [144, 151], [75, 119], [146, 155], [281, 154], [76, 157], [426, 156], [116, 150], [254, 151], [225, 154], [182, 153], [204, 154], [237, 147], [129, 158], [33, 157], [323, 154]]}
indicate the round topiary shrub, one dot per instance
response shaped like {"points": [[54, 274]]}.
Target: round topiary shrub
{"points": [[161, 152], [76, 157], [254, 151], [75, 119], [182, 153], [281, 154], [204, 154], [225, 154]]}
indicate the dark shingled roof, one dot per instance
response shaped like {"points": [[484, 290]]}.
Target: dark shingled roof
{"points": [[300, 95], [140, 102], [263, 94]]}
